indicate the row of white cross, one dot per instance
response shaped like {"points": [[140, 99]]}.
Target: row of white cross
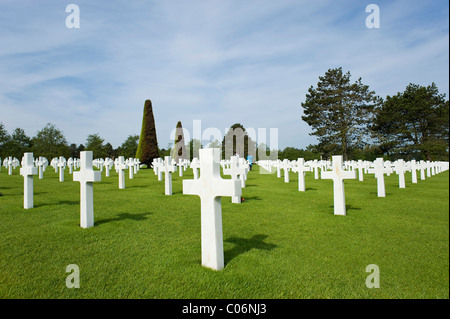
{"points": [[209, 186], [427, 168], [338, 173], [236, 167], [60, 164]]}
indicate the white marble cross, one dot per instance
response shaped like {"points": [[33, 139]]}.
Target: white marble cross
{"points": [[388, 166], [413, 166], [244, 167], [285, 165], [130, 164], [70, 165], [422, 170], [42, 164], [135, 166], [159, 166], [315, 165], [9, 163], [54, 164], [120, 167], [61, 165], [379, 170], [278, 166], [27, 171], [101, 162], [168, 168], [137, 163], [338, 175], [211, 187], [195, 165], [400, 168], [108, 164], [428, 168], [235, 172], [180, 167], [360, 165], [86, 176], [300, 168]]}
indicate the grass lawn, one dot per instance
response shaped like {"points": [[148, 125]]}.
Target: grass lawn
{"points": [[279, 243]]}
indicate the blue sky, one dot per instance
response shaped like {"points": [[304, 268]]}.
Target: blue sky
{"points": [[218, 61]]}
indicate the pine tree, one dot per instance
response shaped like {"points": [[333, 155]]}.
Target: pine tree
{"points": [[148, 144], [416, 120], [339, 112]]}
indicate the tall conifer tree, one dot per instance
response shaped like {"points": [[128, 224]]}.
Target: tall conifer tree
{"points": [[148, 144], [339, 112], [179, 148]]}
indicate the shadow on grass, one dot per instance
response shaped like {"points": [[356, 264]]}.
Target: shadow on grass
{"points": [[137, 186], [62, 202], [348, 207], [310, 189], [250, 198], [123, 216], [243, 245]]}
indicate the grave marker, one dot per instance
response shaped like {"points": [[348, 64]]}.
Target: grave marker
{"points": [[27, 171], [285, 165], [413, 166], [42, 164], [400, 169], [120, 167], [61, 165], [86, 176], [168, 169], [235, 172], [379, 170], [195, 165], [9, 164], [338, 175], [211, 187], [300, 168]]}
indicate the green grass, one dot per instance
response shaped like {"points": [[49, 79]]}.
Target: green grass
{"points": [[279, 243]]}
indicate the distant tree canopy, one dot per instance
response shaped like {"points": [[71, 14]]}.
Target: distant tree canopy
{"points": [[94, 143], [148, 144], [292, 153], [339, 112], [351, 120], [16, 144], [415, 121], [129, 146], [50, 142]]}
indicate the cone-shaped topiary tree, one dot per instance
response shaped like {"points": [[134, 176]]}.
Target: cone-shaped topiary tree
{"points": [[179, 148], [148, 144], [237, 141]]}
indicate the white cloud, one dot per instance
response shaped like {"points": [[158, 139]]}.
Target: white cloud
{"points": [[223, 62]]}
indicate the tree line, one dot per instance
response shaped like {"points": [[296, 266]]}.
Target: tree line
{"points": [[349, 119], [50, 142]]}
